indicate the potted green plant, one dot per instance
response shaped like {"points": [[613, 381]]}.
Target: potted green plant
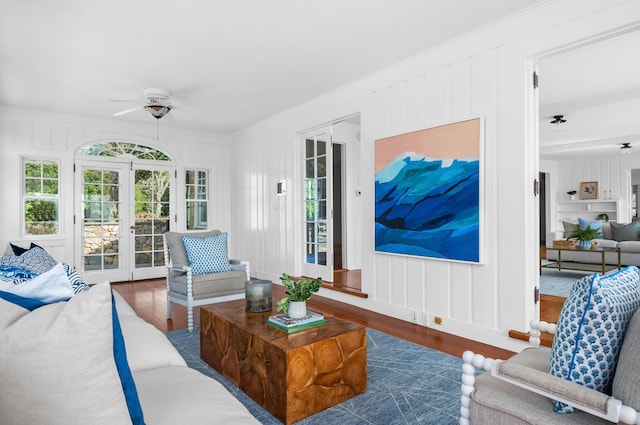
{"points": [[572, 194], [584, 236], [298, 292], [603, 217]]}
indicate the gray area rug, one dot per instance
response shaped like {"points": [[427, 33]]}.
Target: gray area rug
{"points": [[406, 384], [559, 282]]}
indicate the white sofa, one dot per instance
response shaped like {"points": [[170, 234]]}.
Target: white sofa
{"points": [[61, 362], [629, 249], [169, 391]]}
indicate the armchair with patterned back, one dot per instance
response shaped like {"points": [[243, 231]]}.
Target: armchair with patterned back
{"points": [[590, 375], [199, 271]]}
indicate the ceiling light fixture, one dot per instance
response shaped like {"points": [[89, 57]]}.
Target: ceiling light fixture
{"points": [[626, 148], [158, 111], [558, 121]]}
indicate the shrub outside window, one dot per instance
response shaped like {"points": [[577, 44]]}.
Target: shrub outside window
{"points": [[196, 197], [41, 197]]}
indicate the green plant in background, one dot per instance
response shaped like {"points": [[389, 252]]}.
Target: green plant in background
{"points": [[603, 216], [37, 211], [300, 290], [585, 234], [571, 192]]}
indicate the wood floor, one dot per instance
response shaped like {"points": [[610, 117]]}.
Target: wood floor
{"points": [[148, 299]]}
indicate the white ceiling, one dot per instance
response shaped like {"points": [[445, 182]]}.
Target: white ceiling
{"points": [[227, 63], [597, 88]]}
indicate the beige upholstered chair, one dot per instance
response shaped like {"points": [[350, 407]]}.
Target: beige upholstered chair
{"points": [[520, 390], [190, 289]]}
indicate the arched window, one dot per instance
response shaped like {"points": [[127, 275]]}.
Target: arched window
{"points": [[119, 149]]}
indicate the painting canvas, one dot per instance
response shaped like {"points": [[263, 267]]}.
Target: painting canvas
{"points": [[428, 192]]}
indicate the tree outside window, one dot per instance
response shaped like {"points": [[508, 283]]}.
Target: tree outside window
{"points": [[41, 197]]}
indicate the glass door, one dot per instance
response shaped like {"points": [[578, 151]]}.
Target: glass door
{"points": [[123, 211], [151, 218], [318, 206], [103, 238]]}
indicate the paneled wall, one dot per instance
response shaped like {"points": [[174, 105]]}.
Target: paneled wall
{"points": [[485, 74]]}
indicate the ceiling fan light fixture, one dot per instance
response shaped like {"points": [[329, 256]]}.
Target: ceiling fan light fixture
{"points": [[158, 111], [626, 148], [558, 121]]}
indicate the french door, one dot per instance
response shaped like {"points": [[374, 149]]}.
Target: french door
{"points": [[123, 210], [318, 205]]}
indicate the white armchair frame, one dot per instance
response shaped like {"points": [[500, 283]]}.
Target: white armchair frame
{"points": [[582, 398], [188, 300]]}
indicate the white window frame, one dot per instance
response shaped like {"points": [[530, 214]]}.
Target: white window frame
{"points": [[197, 202], [25, 197]]}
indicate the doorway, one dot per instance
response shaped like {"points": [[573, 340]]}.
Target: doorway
{"points": [[123, 209], [331, 170]]}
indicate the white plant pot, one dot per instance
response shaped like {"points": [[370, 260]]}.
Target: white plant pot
{"points": [[297, 309]]}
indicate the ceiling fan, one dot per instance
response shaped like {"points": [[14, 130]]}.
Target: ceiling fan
{"points": [[626, 147], [156, 101]]}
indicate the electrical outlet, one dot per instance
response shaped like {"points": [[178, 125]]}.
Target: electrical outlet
{"points": [[414, 316], [437, 320]]}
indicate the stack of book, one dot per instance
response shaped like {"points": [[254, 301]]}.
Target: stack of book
{"points": [[286, 324]]}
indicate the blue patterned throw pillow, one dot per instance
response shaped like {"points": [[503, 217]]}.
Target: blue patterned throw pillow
{"points": [[75, 280], [591, 329], [35, 259], [15, 274], [208, 254]]}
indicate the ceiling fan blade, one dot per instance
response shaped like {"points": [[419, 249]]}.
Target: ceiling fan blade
{"points": [[126, 111]]}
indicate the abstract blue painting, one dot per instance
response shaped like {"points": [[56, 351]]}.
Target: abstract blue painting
{"points": [[428, 192]]}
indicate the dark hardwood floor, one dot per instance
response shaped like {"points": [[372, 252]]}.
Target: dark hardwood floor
{"points": [[148, 299]]}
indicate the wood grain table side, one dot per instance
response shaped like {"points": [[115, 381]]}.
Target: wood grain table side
{"points": [[291, 376]]}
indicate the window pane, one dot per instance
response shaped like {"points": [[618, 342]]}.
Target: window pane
{"points": [[322, 166], [111, 193], [93, 210], [189, 177], [32, 169], [92, 176], [32, 186], [311, 210], [309, 148], [310, 168], [309, 189], [322, 148], [111, 177], [322, 210], [50, 187], [50, 170], [322, 189]]}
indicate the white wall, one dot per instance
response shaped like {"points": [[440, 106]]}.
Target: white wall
{"points": [[51, 135], [610, 172], [483, 74]]}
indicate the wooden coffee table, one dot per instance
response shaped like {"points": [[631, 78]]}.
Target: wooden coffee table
{"points": [[292, 376]]}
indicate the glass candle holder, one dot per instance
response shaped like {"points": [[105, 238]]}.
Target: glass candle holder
{"points": [[257, 295]]}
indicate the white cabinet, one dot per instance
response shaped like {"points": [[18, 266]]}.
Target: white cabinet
{"points": [[571, 210]]}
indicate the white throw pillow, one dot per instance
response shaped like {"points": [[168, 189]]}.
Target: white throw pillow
{"points": [[57, 363], [50, 287]]}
